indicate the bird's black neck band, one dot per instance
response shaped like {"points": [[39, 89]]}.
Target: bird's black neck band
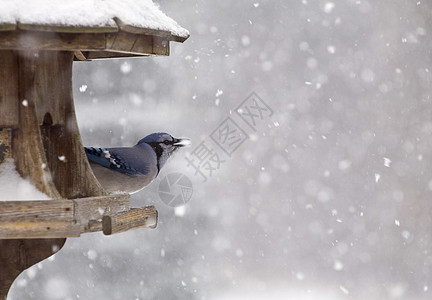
{"points": [[158, 150]]}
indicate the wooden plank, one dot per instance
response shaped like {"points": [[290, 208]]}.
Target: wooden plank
{"points": [[90, 55], [123, 41], [64, 150], [67, 29], [58, 218], [28, 211], [18, 217], [49, 94], [143, 44], [57, 146], [160, 46], [7, 26], [134, 43], [37, 219], [29, 156], [38, 229], [79, 55], [145, 217], [23, 40], [28, 152], [109, 40], [36, 210], [8, 89], [27, 147], [137, 44]]}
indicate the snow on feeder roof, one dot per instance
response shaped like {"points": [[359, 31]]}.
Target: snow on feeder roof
{"points": [[93, 28]]}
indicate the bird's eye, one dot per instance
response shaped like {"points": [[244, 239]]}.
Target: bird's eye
{"points": [[167, 142]]}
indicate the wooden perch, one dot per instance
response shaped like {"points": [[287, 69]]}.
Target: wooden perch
{"points": [[134, 218], [70, 218]]}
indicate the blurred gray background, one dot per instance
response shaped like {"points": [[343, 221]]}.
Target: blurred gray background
{"points": [[330, 197]]}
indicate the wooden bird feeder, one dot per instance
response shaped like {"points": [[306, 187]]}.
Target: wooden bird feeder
{"points": [[38, 127]]}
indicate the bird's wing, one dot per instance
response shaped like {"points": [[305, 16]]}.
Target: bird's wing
{"points": [[117, 159]]}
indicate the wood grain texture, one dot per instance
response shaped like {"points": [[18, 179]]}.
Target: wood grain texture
{"points": [[44, 81], [39, 229], [29, 154], [79, 56], [51, 156], [130, 44], [89, 211], [145, 217], [67, 29], [7, 26], [127, 43], [8, 89], [37, 219], [160, 46], [122, 41], [5, 143], [28, 211], [28, 40], [58, 218], [67, 161], [143, 44], [107, 28]]}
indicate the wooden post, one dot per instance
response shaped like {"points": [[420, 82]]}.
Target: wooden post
{"points": [[46, 78], [37, 110]]}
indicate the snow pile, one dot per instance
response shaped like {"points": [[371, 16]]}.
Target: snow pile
{"points": [[89, 13], [13, 187]]}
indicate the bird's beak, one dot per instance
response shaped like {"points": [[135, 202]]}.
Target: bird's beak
{"points": [[182, 142]]}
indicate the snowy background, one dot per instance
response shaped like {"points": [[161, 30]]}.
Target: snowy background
{"points": [[330, 198]]}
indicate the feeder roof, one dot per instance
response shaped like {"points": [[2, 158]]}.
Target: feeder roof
{"points": [[125, 20]]}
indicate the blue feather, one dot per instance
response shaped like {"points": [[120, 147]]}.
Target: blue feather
{"points": [[108, 159]]}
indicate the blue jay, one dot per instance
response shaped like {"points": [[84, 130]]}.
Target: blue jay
{"points": [[130, 169]]}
